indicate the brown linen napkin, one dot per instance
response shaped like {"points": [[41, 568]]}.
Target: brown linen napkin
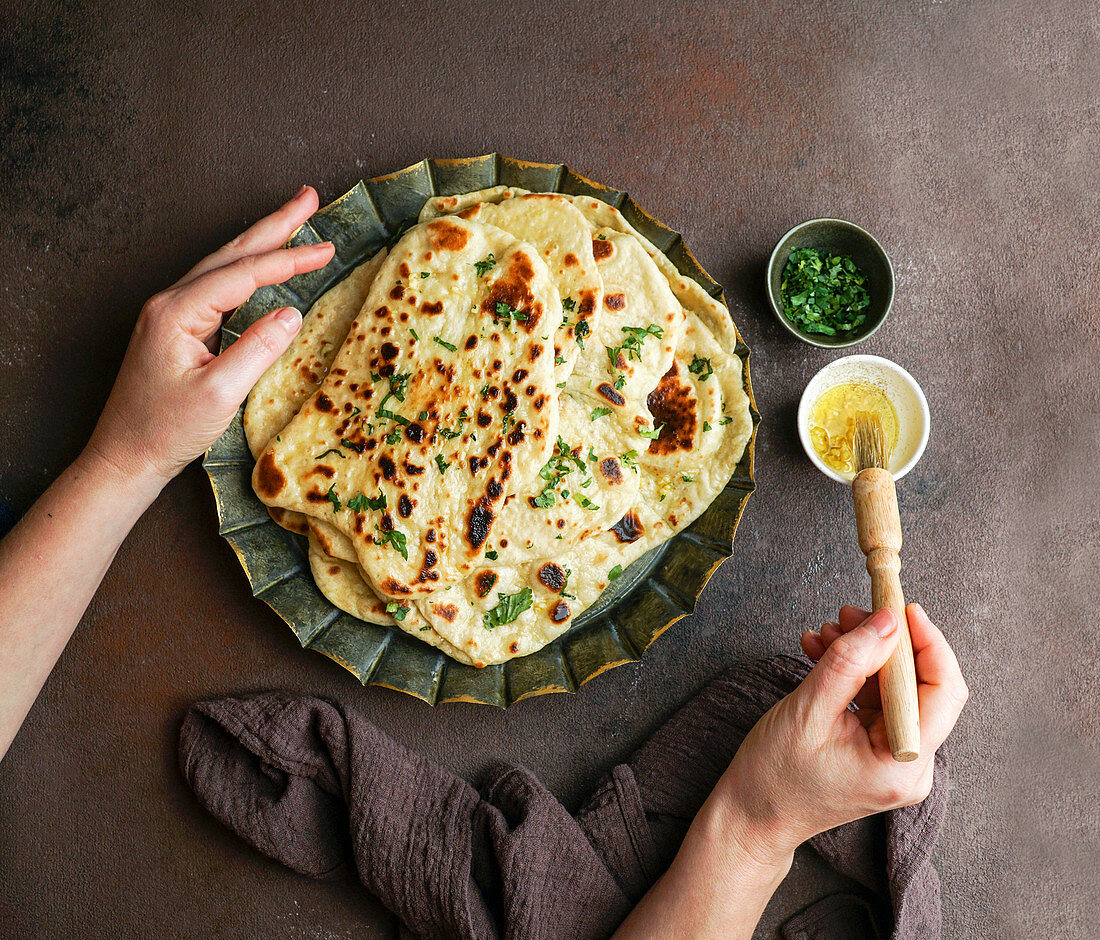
{"points": [[318, 787]]}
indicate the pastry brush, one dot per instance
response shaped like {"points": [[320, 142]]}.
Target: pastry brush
{"points": [[879, 526]]}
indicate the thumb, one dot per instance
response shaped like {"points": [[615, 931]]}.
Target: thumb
{"points": [[239, 368], [847, 664]]}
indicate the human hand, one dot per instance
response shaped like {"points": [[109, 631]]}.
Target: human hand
{"points": [[811, 764], [173, 396]]}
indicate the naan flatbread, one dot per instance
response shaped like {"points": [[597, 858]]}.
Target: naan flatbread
{"points": [[465, 386], [297, 373], [342, 583], [649, 420], [562, 236]]}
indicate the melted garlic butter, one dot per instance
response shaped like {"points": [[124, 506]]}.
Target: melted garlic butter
{"points": [[833, 422]]}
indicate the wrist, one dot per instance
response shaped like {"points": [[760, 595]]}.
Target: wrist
{"points": [[133, 480], [751, 850], [746, 800]]}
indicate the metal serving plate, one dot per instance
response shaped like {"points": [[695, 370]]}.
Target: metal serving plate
{"points": [[651, 595]]}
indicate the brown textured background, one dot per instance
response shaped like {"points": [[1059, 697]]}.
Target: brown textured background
{"points": [[964, 135]]}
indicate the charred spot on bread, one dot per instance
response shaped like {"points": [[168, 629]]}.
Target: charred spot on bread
{"points": [[479, 522], [393, 586], [629, 528], [552, 575], [483, 582], [447, 612], [673, 406], [611, 470], [447, 235], [610, 394], [269, 479]]}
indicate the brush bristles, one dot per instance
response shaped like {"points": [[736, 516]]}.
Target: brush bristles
{"points": [[870, 443]]}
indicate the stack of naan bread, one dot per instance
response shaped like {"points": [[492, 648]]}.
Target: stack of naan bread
{"points": [[479, 429]]}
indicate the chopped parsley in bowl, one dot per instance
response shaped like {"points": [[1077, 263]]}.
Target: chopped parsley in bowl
{"points": [[830, 283], [824, 292]]}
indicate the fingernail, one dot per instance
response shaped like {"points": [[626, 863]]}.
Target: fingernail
{"points": [[290, 318], [301, 192], [883, 622]]}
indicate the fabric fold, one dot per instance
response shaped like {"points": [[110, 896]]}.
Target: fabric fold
{"points": [[318, 787]]}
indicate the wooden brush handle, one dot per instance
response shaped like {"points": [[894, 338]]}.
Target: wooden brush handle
{"points": [[879, 527]]}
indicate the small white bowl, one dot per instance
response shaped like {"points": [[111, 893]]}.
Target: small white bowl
{"points": [[904, 394]]}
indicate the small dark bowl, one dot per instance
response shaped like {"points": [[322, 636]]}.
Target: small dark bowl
{"points": [[844, 238]]}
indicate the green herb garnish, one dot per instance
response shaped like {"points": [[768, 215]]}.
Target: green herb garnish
{"points": [[505, 311], [632, 345], [492, 555], [569, 304], [331, 450], [580, 331], [824, 292], [599, 413], [554, 471], [394, 538], [614, 572], [400, 419], [359, 502], [508, 608], [445, 344], [424, 274], [641, 332], [584, 502], [397, 611], [333, 498], [484, 267], [397, 390], [652, 435], [414, 333], [441, 463], [701, 367]]}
